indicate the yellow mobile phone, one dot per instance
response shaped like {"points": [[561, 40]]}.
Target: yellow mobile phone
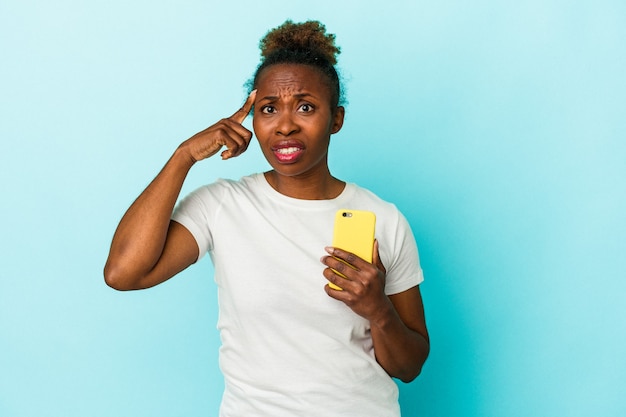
{"points": [[354, 232]]}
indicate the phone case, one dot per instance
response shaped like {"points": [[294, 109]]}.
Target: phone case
{"points": [[354, 232]]}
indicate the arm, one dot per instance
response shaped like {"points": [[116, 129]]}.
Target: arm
{"points": [[400, 337], [398, 326], [148, 248]]}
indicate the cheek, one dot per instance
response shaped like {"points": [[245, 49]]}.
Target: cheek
{"points": [[260, 122], [256, 126]]}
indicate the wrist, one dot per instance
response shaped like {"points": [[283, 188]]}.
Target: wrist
{"points": [[183, 157], [383, 315]]}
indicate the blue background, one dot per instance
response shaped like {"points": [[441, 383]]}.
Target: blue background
{"points": [[498, 128]]}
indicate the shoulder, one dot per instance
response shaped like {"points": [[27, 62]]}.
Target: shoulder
{"points": [[223, 192], [224, 186], [391, 224], [371, 201]]}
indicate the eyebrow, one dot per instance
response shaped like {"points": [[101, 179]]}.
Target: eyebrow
{"points": [[298, 96]]}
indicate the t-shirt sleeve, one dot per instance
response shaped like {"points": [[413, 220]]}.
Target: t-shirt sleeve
{"points": [[193, 212], [405, 271]]}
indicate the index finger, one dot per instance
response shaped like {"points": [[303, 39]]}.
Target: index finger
{"points": [[347, 257], [240, 115]]}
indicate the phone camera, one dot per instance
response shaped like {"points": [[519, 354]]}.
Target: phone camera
{"points": [[346, 214]]}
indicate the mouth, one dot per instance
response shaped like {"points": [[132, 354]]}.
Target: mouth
{"points": [[288, 153]]}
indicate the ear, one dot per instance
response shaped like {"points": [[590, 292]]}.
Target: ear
{"points": [[338, 119]]}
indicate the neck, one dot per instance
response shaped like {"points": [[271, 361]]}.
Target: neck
{"points": [[312, 187]]}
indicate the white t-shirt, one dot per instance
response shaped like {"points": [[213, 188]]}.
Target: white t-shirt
{"points": [[288, 349]]}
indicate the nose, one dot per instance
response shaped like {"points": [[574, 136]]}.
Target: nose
{"points": [[286, 125]]}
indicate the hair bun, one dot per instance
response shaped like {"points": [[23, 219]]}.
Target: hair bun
{"points": [[309, 37]]}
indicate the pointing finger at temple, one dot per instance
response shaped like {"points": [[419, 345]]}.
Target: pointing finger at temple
{"points": [[240, 115]]}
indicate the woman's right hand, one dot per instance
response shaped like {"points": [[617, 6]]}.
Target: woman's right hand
{"points": [[227, 132]]}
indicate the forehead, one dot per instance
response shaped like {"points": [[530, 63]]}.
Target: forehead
{"points": [[287, 79]]}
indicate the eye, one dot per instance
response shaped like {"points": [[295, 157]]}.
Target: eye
{"points": [[306, 108], [268, 109]]}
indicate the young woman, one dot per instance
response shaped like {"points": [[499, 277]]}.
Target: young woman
{"points": [[291, 344]]}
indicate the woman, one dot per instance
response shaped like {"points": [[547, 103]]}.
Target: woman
{"points": [[291, 344]]}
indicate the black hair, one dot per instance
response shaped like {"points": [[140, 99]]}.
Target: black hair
{"points": [[306, 44]]}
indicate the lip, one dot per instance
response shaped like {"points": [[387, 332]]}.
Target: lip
{"points": [[288, 152]]}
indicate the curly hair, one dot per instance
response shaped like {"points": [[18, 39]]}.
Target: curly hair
{"points": [[304, 43]]}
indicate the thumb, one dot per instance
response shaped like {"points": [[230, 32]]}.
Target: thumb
{"points": [[376, 258]]}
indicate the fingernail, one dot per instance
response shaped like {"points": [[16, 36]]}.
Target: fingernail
{"points": [[329, 249]]}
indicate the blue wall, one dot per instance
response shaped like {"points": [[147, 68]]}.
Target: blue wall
{"points": [[498, 129]]}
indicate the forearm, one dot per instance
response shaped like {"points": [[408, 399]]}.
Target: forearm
{"points": [[400, 350], [140, 237]]}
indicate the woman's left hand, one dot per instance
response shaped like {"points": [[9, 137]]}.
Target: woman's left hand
{"points": [[363, 288]]}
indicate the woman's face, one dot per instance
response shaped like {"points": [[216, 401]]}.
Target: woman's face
{"points": [[293, 119]]}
